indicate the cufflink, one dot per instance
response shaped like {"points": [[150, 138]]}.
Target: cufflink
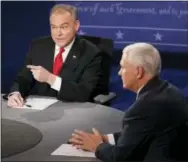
{"points": [[74, 56]]}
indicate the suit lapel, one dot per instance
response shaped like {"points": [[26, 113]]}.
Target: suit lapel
{"points": [[74, 54]]}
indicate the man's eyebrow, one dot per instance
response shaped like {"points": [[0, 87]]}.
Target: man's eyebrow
{"points": [[60, 25], [64, 24]]}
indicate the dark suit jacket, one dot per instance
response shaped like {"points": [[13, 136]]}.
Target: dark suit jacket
{"points": [[80, 75], [153, 127]]}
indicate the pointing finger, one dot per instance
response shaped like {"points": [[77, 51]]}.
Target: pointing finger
{"points": [[33, 67]]}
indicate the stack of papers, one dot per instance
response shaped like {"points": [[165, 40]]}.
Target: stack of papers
{"points": [[69, 150], [38, 103]]}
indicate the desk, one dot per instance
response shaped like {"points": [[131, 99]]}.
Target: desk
{"points": [[58, 122]]}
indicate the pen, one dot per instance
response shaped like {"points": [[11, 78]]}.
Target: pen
{"points": [[28, 105]]}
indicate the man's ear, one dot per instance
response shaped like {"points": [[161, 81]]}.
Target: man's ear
{"points": [[77, 25], [140, 72]]}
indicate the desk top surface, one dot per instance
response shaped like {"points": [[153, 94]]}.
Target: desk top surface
{"points": [[58, 122]]}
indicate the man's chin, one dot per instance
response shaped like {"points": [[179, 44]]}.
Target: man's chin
{"points": [[124, 86], [61, 44]]}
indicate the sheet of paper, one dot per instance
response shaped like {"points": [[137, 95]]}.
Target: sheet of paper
{"points": [[69, 150], [38, 103]]}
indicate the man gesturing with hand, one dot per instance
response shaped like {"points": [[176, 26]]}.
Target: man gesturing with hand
{"points": [[63, 65], [87, 141], [155, 126]]}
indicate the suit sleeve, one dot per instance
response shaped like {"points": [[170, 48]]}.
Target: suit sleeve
{"points": [[24, 81], [83, 90], [134, 133]]}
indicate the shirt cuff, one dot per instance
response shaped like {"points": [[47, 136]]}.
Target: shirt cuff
{"points": [[57, 84], [13, 93], [111, 139]]}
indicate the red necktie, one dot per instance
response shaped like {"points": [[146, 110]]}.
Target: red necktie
{"points": [[58, 63]]}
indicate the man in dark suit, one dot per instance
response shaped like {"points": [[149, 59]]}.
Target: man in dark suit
{"points": [[64, 65], [154, 127]]}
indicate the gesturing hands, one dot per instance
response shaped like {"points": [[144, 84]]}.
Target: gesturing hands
{"points": [[41, 74], [87, 141]]}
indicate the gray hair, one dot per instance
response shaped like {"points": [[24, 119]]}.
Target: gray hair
{"points": [[61, 8], [144, 55]]}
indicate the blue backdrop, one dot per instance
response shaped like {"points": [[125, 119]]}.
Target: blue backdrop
{"points": [[164, 24], [21, 21], [124, 22]]}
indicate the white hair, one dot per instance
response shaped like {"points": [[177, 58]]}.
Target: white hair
{"points": [[144, 55]]}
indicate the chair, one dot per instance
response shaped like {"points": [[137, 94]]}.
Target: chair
{"points": [[106, 45]]}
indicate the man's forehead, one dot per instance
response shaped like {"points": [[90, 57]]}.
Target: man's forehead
{"points": [[62, 15], [124, 57], [122, 62]]}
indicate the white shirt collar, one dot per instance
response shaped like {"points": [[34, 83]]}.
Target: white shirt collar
{"points": [[139, 90]]}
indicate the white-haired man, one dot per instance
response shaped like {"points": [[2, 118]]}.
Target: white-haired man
{"points": [[154, 127]]}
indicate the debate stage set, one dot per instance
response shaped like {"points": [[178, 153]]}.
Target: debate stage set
{"points": [[33, 134]]}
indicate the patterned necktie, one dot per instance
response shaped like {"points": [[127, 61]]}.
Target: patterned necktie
{"points": [[58, 63]]}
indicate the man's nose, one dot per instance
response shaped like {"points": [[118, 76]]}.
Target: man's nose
{"points": [[59, 31]]}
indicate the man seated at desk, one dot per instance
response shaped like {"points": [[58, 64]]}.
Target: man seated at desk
{"points": [[154, 127], [64, 65]]}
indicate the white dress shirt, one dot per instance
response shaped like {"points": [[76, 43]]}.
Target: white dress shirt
{"points": [[57, 83], [139, 91]]}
